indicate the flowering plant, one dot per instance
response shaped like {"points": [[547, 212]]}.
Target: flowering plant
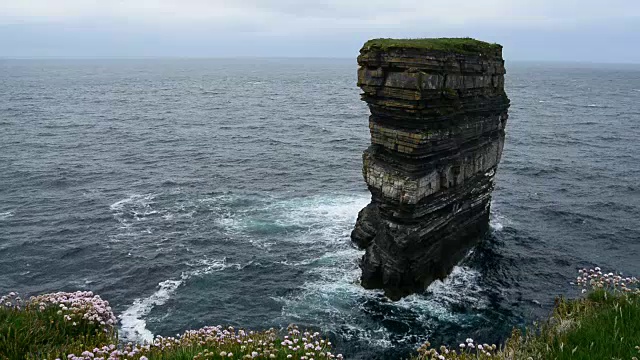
{"points": [[615, 283], [82, 326], [216, 342], [598, 326]]}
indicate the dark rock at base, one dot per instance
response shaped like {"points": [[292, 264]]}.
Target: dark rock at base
{"points": [[366, 226], [437, 132]]}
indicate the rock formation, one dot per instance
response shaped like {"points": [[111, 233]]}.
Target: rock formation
{"points": [[438, 113]]}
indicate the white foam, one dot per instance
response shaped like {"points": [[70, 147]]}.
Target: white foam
{"points": [[168, 216], [5, 215], [133, 199], [207, 266], [219, 205], [337, 291], [461, 286], [497, 220], [462, 279], [328, 218], [496, 225], [299, 263], [333, 290], [134, 327], [136, 207], [335, 286], [228, 222]]}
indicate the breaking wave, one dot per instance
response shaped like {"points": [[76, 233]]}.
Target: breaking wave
{"points": [[133, 325], [5, 215], [332, 298], [310, 235]]}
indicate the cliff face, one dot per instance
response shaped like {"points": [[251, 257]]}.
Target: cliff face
{"points": [[438, 113]]}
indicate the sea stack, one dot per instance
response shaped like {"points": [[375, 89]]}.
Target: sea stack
{"points": [[438, 114]]}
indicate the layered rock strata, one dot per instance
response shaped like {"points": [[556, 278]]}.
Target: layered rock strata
{"points": [[438, 113]]}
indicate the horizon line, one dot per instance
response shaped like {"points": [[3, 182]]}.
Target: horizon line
{"points": [[252, 57]]}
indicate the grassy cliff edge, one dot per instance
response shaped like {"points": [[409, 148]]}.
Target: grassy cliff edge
{"points": [[604, 324]]}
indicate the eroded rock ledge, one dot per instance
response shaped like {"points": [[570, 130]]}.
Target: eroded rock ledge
{"points": [[438, 113]]}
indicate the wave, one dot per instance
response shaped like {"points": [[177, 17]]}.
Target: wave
{"points": [[299, 263], [555, 102], [330, 218], [130, 211], [137, 206], [134, 327], [133, 199], [498, 221], [461, 286], [496, 225], [140, 213], [332, 298], [261, 221], [570, 104], [5, 215], [329, 303], [315, 231]]}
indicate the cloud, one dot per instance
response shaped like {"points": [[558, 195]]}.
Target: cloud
{"points": [[543, 29], [300, 15]]}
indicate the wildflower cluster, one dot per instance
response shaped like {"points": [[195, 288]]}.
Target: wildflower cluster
{"points": [[78, 306], [82, 326], [216, 342], [467, 350], [53, 324], [596, 279], [111, 352], [264, 345], [604, 316], [11, 301]]}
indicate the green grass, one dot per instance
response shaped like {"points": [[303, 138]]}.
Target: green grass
{"points": [[457, 45], [31, 333], [603, 325], [46, 328]]}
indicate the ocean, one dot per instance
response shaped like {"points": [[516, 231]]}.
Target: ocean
{"points": [[223, 191]]}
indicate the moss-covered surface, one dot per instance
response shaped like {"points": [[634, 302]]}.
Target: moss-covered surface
{"points": [[455, 45]]}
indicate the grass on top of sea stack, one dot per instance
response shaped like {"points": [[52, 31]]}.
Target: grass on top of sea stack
{"points": [[81, 326], [605, 324], [457, 45]]}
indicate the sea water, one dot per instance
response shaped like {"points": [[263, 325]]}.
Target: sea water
{"points": [[205, 192]]}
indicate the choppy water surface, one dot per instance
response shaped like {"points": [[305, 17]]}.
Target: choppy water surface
{"points": [[194, 192]]}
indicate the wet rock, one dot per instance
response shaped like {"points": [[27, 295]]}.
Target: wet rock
{"points": [[437, 132]]}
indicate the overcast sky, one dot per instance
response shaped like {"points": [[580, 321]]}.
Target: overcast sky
{"points": [[556, 30]]}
